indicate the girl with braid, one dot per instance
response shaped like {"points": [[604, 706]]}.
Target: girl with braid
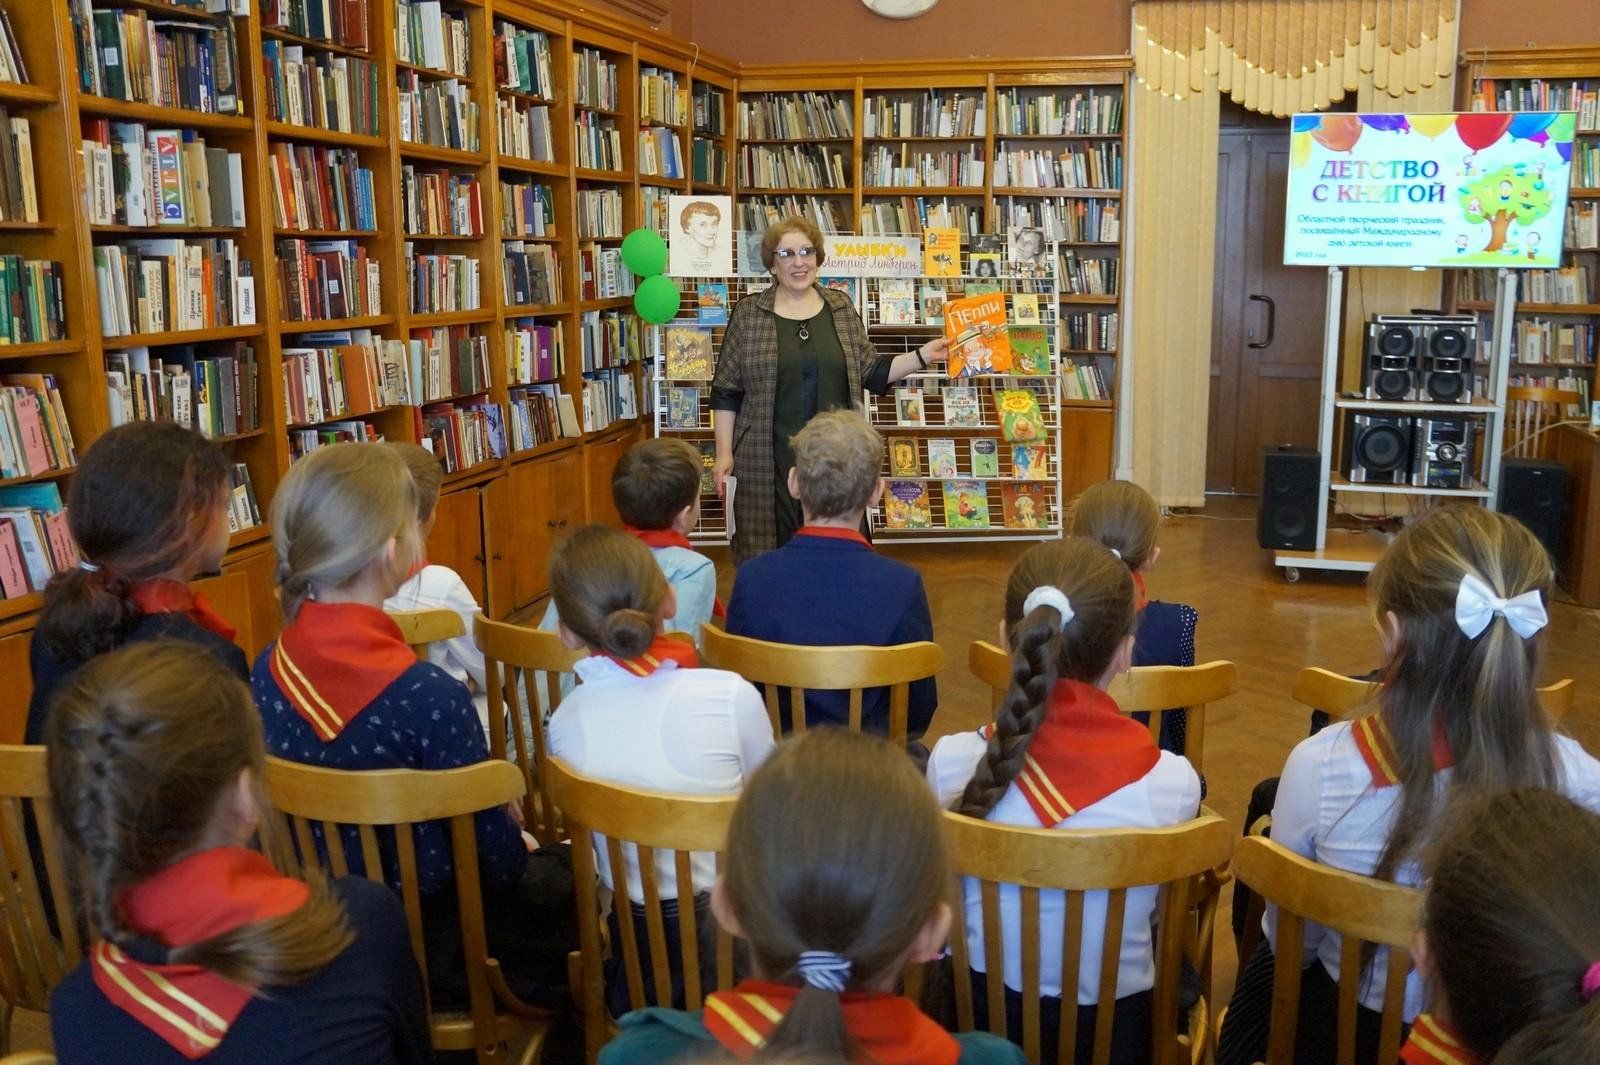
{"points": [[205, 952], [1061, 755]]}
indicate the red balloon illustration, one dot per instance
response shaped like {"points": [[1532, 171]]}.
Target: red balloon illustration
{"points": [[1478, 131], [1339, 133]]}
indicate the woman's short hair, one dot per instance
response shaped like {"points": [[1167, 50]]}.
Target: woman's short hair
{"points": [[793, 224], [837, 460], [704, 207]]}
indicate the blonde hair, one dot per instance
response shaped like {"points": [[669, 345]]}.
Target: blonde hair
{"points": [[793, 224], [426, 471], [334, 515], [1120, 515], [837, 460], [608, 590]]}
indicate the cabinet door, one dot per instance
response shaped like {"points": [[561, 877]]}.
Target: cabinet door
{"points": [[457, 538], [501, 544], [19, 686], [229, 593], [600, 462], [569, 509], [1086, 438], [528, 485], [266, 618]]}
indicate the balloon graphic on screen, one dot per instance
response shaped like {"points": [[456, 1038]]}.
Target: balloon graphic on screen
{"points": [[1528, 125], [1385, 123], [1338, 133], [1430, 126], [1304, 123], [1481, 130]]}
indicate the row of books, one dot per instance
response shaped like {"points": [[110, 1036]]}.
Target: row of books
{"points": [[1082, 221], [1083, 276], [710, 109], [1569, 284], [527, 209], [19, 194], [1090, 330], [602, 274], [1024, 462], [1586, 164], [133, 55], [655, 208], [439, 284], [32, 302], [439, 203], [532, 274], [140, 176], [328, 279], [1051, 114], [441, 114], [463, 435], [1540, 341], [913, 214], [216, 393], [1583, 225], [342, 22], [35, 543], [427, 35], [599, 213], [934, 113], [885, 166], [539, 414], [794, 116], [35, 436], [756, 213], [1085, 379], [535, 350], [321, 188], [608, 396], [12, 67], [522, 60], [446, 361], [524, 130], [793, 166], [661, 98], [156, 285], [1018, 411], [333, 92], [660, 152], [304, 441], [965, 504], [608, 339], [709, 161], [340, 375], [1094, 166], [594, 80], [1566, 382], [596, 142], [1537, 94]]}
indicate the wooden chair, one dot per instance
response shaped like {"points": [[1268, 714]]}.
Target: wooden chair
{"points": [[522, 668], [423, 627], [1360, 909], [29, 1057], [1529, 412], [398, 799], [797, 669], [32, 959], [649, 822], [1343, 697], [1185, 861]]}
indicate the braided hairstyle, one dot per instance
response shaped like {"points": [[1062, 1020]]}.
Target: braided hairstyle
{"points": [[142, 746], [1100, 589]]}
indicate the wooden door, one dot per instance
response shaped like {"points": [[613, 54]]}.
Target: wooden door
{"points": [[19, 685], [457, 538], [1266, 342]]}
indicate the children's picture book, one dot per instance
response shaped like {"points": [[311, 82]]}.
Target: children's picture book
{"points": [[688, 351], [897, 301], [941, 252], [1025, 308], [975, 326], [985, 457], [1023, 506], [903, 457], [683, 408], [942, 457], [961, 407], [908, 408], [1018, 411], [1030, 462], [1030, 350], [966, 505], [906, 505], [933, 300], [708, 465], [850, 286], [712, 303]]}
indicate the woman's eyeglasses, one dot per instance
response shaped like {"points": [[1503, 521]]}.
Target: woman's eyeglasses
{"points": [[795, 253]]}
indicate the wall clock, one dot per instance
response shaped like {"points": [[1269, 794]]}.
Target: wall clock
{"points": [[899, 8]]}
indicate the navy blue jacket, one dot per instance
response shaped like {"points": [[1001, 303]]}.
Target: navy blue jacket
{"points": [[822, 591]]}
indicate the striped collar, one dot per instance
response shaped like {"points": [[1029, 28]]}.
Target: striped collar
{"points": [[1433, 1042], [887, 1029], [1375, 743], [334, 659]]}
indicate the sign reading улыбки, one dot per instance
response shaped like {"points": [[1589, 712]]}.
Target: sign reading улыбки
{"points": [[1480, 189]]}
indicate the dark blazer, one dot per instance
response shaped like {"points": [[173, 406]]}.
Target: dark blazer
{"points": [[820, 591]]}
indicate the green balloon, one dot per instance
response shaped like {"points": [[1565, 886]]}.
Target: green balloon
{"points": [[657, 299], [1563, 128], [644, 252]]}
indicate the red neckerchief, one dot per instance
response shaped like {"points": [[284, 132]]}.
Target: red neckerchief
{"points": [[1376, 746], [661, 650], [1085, 750], [163, 596], [333, 659], [1140, 598], [887, 1029], [1433, 1042], [828, 532], [421, 564], [197, 898], [654, 538]]}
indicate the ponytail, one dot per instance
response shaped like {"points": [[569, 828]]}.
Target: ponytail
{"points": [[1121, 516], [608, 590]]}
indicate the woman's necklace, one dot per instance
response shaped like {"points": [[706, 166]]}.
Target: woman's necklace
{"points": [[803, 333]]}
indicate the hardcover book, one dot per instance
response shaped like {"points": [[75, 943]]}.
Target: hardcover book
{"points": [[712, 303], [942, 458], [903, 457], [1018, 410], [975, 326], [1030, 350], [1025, 308], [966, 505], [1023, 506], [961, 408], [897, 301], [683, 408], [688, 353], [941, 252], [933, 301], [908, 408], [985, 457], [906, 505], [1030, 462]]}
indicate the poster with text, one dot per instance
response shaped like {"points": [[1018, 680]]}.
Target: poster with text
{"points": [[1482, 189], [853, 256], [700, 236]]}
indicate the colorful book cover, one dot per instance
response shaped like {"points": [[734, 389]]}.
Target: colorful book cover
{"points": [[708, 464], [166, 146], [1018, 410], [966, 505], [1030, 350], [933, 301], [942, 457], [1023, 506], [903, 457], [683, 408], [1030, 462], [941, 252], [961, 408], [1025, 308], [980, 288], [688, 353], [897, 301], [908, 408], [850, 286], [985, 457], [975, 326], [906, 506], [712, 303]]}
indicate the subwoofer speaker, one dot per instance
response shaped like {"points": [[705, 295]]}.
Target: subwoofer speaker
{"points": [[1534, 492], [1377, 448], [1290, 479]]}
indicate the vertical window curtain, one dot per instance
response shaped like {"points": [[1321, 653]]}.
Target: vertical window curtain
{"points": [[1275, 57]]}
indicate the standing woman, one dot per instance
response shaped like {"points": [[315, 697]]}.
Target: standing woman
{"points": [[790, 352]]}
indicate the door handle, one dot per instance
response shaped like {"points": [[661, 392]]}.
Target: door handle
{"points": [[1272, 322]]}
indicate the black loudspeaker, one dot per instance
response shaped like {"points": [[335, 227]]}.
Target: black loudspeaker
{"points": [[1420, 357], [1447, 364], [1534, 492], [1377, 448], [1290, 479], [1391, 359]]}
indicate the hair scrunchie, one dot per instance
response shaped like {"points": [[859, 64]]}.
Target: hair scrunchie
{"points": [[824, 970], [1051, 596]]}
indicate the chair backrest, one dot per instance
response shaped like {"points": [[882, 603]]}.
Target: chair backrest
{"points": [[29, 1057], [798, 669], [398, 799], [1360, 909], [32, 959], [522, 668], [1529, 411], [1182, 860], [648, 823], [1342, 697], [423, 627], [990, 664]]}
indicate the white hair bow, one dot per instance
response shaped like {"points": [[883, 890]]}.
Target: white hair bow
{"points": [[1477, 605], [1049, 595]]}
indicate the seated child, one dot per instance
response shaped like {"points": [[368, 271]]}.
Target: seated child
{"points": [[836, 873], [204, 949], [1061, 755], [339, 688], [826, 586], [639, 719]]}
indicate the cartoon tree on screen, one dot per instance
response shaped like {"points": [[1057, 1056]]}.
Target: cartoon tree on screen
{"points": [[1500, 197]]}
